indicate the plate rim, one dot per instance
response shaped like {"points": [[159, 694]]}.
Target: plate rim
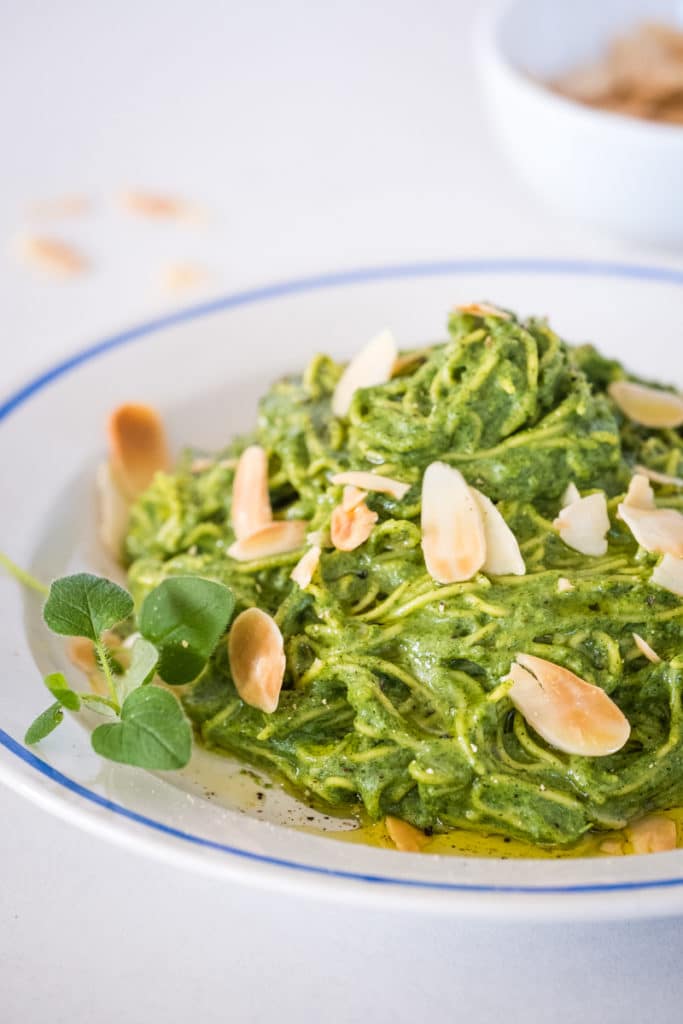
{"points": [[254, 296]]}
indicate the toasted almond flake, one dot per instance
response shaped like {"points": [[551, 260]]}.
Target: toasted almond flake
{"points": [[408, 359], [639, 493], [648, 406], [483, 309], [53, 256], [659, 478], [60, 206], [583, 524], [352, 497], [653, 834], [645, 649], [351, 527], [564, 585], [274, 539], [373, 365], [404, 836], [251, 509], [114, 511], [372, 482], [321, 538], [658, 530], [182, 277], [503, 557], [156, 205], [257, 659], [571, 494], [569, 713], [137, 447], [669, 575], [612, 847], [302, 573], [453, 535]]}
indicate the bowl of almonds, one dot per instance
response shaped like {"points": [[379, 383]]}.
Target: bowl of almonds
{"points": [[587, 102]]}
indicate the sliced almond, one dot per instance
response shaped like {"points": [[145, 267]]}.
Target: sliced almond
{"points": [[647, 406], [583, 524], [257, 659], [569, 713], [639, 493], [483, 309], [669, 575], [251, 509], [453, 535], [114, 511], [156, 206], [659, 478], [372, 482], [404, 836], [503, 557], [564, 585], [653, 834], [302, 573], [612, 847], [373, 365], [137, 447], [645, 649], [659, 530], [351, 526], [275, 539], [352, 497], [53, 255], [571, 494]]}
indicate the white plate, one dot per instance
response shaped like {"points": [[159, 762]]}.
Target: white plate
{"points": [[204, 367]]}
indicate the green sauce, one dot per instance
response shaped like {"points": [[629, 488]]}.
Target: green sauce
{"points": [[389, 699]]}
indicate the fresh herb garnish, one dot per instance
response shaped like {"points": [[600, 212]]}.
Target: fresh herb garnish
{"points": [[181, 622]]}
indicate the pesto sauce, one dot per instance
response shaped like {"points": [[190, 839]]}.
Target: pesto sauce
{"points": [[389, 701]]}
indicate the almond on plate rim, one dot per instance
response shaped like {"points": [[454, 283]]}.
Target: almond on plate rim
{"points": [[405, 837], [251, 508], [572, 715], [257, 659], [652, 834], [137, 447]]}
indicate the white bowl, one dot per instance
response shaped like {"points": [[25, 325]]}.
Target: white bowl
{"points": [[619, 173]]}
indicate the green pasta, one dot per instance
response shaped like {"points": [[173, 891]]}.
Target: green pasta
{"points": [[392, 699]]}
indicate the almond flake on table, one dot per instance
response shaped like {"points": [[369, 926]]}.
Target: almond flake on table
{"points": [[371, 367], [303, 571], [180, 277], [157, 206], [569, 713], [59, 207], [503, 557], [645, 649], [648, 406], [257, 659], [453, 533], [652, 834], [251, 508], [278, 538], [583, 524], [52, 255], [372, 482]]}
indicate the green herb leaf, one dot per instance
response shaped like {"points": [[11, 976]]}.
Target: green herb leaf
{"points": [[85, 605], [102, 705], [153, 732], [44, 724], [60, 689], [143, 661], [184, 617]]}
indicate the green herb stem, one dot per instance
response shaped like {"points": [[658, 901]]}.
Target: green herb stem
{"points": [[22, 576]]}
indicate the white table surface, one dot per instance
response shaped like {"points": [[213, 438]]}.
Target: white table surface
{"points": [[317, 136]]}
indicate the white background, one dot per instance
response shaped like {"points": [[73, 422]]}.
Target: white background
{"points": [[316, 136]]}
